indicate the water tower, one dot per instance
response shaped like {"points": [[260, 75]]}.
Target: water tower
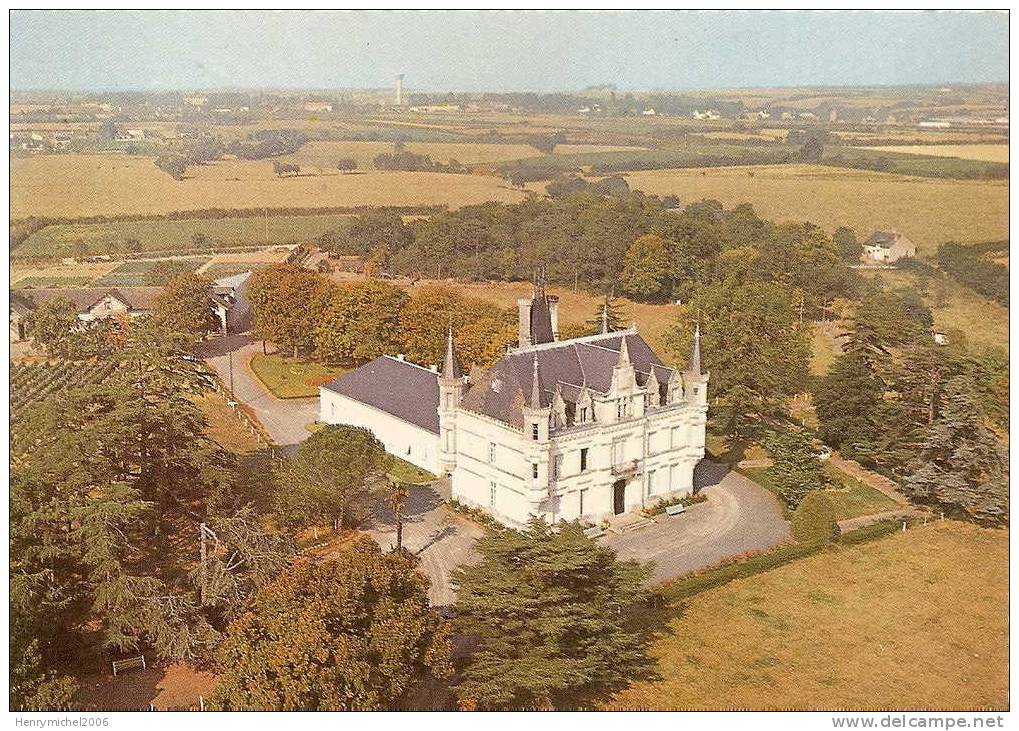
{"points": [[399, 90]]}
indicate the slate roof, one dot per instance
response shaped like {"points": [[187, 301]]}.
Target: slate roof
{"points": [[140, 299], [573, 364], [405, 390], [884, 239]]}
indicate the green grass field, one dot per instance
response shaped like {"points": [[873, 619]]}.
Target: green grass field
{"points": [[135, 273], [54, 282], [292, 378], [915, 620], [94, 239], [849, 497]]}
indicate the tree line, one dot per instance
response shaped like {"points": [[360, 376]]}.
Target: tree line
{"points": [[969, 265], [601, 243]]}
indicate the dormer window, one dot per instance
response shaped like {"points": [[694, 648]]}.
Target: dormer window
{"points": [[582, 417], [534, 432], [622, 408]]}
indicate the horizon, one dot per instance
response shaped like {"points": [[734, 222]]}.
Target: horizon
{"points": [[501, 51]]}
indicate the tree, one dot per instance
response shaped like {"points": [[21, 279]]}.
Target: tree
{"points": [[961, 465], [647, 267], [184, 306], [797, 469], [285, 168], [52, 324], [286, 302], [849, 248], [173, 165], [480, 329], [847, 400], [361, 322], [346, 164], [814, 520], [551, 612], [330, 477], [354, 633], [610, 314], [199, 240], [366, 233], [753, 346]]}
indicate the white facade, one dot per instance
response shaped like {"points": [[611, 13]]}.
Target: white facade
{"points": [[630, 453], [407, 441]]}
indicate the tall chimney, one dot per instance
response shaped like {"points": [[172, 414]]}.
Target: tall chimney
{"points": [[553, 311], [399, 90], [524, 321]]}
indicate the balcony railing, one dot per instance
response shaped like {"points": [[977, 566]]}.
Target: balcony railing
{"points": [[626, 469]]}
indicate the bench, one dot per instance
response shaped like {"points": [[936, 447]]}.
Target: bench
{"points": [[594, 532], [129, 664], [675, 509]]}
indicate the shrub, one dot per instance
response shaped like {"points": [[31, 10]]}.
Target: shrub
{"points": [[686, 500], [814, 520]]}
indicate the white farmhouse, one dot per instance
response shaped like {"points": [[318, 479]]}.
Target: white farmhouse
{"points": [[566, 429]]}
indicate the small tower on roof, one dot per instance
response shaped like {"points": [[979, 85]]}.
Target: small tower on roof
{"points": [[451, 386], [538, 315], [536, 411], [695, 379]]}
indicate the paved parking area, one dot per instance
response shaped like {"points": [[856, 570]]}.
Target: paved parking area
{"points": [[738, 516]]}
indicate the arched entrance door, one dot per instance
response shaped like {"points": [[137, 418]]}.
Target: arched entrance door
{"points": [[618, 497]]}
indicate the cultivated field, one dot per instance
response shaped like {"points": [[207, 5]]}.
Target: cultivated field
{"points": [[111, 184], [325, 154], [990, 153], [92, 239], [918, 620], [930, 211]]}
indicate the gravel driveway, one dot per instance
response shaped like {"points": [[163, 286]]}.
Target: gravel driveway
{"points": [[738, 516], [284, 419]]}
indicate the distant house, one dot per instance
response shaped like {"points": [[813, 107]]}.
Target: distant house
{"points": [[318, 107], [228, 296], [649, 112], [706, 114], [886, 247], [93, 303]]}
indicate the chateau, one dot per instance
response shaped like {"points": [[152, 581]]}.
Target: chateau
{"points": [[585, 428]]}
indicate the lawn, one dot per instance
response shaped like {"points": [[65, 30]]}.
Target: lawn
{"points": [[85, 185], [135, 273], [224, 426], [915, 620], [403, 471], [849, 497], [929, 211], [292, 378]]}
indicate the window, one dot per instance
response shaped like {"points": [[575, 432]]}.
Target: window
{"points": [[492, 487], [650, 483], [583, 415], [618, 451], [583, 459], [557, 466], [622, 408], [582, 494], [491, 452], [534, 470], [534, 432]]}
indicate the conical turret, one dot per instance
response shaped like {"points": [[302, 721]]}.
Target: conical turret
{"points": [[536, 389], [695, 353], [450, 365], [624, 353]]}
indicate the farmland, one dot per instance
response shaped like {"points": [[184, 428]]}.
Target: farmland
{"points": [[169, 236], [325, 154], [929, 211], [33, 382], [111, 184], [989, 153], [915, 620]]}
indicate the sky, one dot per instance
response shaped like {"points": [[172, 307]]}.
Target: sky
{"points": [[500, 50]]}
